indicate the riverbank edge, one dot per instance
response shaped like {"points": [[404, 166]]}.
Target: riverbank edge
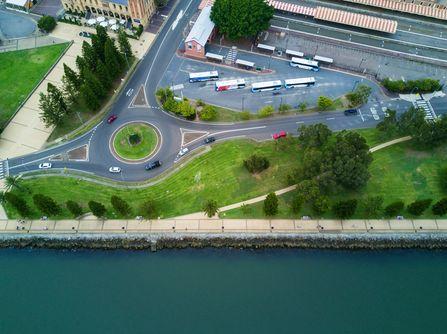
{"points": [[159, 241]]}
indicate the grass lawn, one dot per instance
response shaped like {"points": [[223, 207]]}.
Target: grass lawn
{"points": [[20, 72], [217, 175], [397, 173], [147, 141]]}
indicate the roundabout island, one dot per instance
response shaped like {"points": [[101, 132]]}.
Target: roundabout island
{"points": [[135, 142]]}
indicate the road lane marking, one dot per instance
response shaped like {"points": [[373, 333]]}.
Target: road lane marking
{"points": [[300, 122], [330, 118], [177, 20], [236, 130], [361, 115]]}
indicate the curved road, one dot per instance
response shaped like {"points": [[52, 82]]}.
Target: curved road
{"points": [[149, 73]]}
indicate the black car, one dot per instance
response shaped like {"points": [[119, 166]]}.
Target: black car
{"points": [[85, 34], [153, 164], [349, 112], [209, 140]]}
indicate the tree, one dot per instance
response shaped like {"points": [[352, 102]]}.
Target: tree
{"points": [[284, 107], [271, 204], [18, 203], [418, 207], [53, 106], [359, 96], [308, 190], [412, 122], [92, 91], [389, 124], [320, 205], [164, 94], [89, 55], [72, 83], [210, 207], [256, 163], [442, 174], [185, 109], [208, 113], [103, 75], [302, 106], [297, 203], [148, 209], [112, 59], [90, 99], [99, 42], [124, 45], [440, 207], [161, 3], [46, 205], [324, 103], [394, 208], [120, 205], [46, 23], [315, 135], [81, 64], [345, 209], [266, 111], [13, 182], [74, 208], [372, 205], [241, 18], [97, 209]]}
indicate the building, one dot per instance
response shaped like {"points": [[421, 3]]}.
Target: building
{"points": [[21, 5], [200, 34], [134, 11]]}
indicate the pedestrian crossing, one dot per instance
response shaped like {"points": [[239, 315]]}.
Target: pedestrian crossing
{"points": [[426, 107], [3, 169], [232, 54]]}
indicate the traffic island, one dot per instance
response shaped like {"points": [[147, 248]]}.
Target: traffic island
{"points": [[135, 142]]}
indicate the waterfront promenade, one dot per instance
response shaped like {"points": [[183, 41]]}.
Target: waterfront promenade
{"points": [[220, 226]]}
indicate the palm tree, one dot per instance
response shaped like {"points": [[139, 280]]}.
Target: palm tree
{"points": [[13, 182], [210, 207]]}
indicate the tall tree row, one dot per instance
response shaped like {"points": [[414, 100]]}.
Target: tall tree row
{"points": [[100, 64]]}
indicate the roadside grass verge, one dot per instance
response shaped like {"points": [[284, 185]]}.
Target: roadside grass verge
{"points": [[20, 72], [217, 175]]}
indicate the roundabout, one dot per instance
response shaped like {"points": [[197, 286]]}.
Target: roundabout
{"points": [[135, 142]]}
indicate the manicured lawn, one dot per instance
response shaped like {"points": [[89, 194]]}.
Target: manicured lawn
{"points": [[147, 143], [20, 72], [218, 175], [397, 173]]}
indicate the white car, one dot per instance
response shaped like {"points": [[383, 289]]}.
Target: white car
{"points": [[45, 165], [183, 151], [115, 170]]}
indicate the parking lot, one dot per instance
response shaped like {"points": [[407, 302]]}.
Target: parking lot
{"points": [[15, 25], [329, 83], [48, 7]]}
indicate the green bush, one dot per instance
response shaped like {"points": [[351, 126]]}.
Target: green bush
{"points": [[443, 178], [345, 209], [245, 115], [148, 209], [426, 85], [97, 209], [394, 208], [46, 23], [171, 105], [418, 207], [256, 164], [266, 111], [208, 113], [440, 207], [284, 108], [271, 205], [74, 208], [46, 205], [324, 103], [18, 203], [120, 205]]}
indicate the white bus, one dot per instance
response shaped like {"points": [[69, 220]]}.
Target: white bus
{"points": [[229, 84], [266, 86], [293, 53], [203, 76], [299, 82], [304, 64], [324, 59]]}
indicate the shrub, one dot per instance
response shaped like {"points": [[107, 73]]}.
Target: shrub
{"points": [[46, 205], [426, 85], [443, 178], [302, 106], [245, 115], [134, 139], [120, 205], [324, 103], [210, 207], [440, 207], [200, 103], [271, 205], [394, 208], [284, 108], [164, 94], [74, 208], [97, 208], [46, 23], [418, 207], [256, 163], [171, 105], [208, 113], [345, 209], [148, 209], [139, 30], [372, 205], [297, 203], [18, 203], [185, 109], [320, 205], [266, 111]]}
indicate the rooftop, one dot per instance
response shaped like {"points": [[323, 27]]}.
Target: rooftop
{"points": [[202, 28]]}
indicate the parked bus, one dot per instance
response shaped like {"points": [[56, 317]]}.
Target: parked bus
{"points": [[229, 84], [304, 64], [299, 82], [266, 86], [203, 76], [324, 59]]}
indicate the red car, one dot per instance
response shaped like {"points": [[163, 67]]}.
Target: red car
{"points": [[280, 134], [111, 119]]}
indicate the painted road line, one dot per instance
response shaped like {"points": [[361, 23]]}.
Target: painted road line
{"points": [[236, 130], [374, 113], [361, 115], [177, 87], [330, 118], [177, 20], [300, 122]]}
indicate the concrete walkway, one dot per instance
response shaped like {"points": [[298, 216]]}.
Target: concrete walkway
{"points": [[389, 143], [220, 226]]}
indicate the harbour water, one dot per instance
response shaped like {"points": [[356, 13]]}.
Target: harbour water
{"points": [[223, 291]]}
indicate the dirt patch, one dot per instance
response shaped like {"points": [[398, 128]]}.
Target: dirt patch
{"points": [[189, 137], [79, 153], [140, 99], [417, 154]]}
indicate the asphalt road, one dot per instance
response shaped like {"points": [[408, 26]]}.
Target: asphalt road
{"points": [[148, 74]]}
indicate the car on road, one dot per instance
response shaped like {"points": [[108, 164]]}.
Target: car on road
{"points": [[45, 165], [85, 34], [115, 170], [280, 134], [153, 165], [209, 140], [350, 112], [111, 119], [276, 93], [183, 151]]}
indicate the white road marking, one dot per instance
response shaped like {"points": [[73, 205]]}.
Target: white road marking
{"points": [[330, 118], [236, 130], [374, 113], [179, 16], [361, 115], [177, 87], [300, 122]]}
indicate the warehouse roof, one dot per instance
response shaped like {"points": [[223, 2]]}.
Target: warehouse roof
{"points": [[202, 28]]}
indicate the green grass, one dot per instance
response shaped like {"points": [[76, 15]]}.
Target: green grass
{"points": [[397, 173], [217, 175], [20, 72], [126, 150]]}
